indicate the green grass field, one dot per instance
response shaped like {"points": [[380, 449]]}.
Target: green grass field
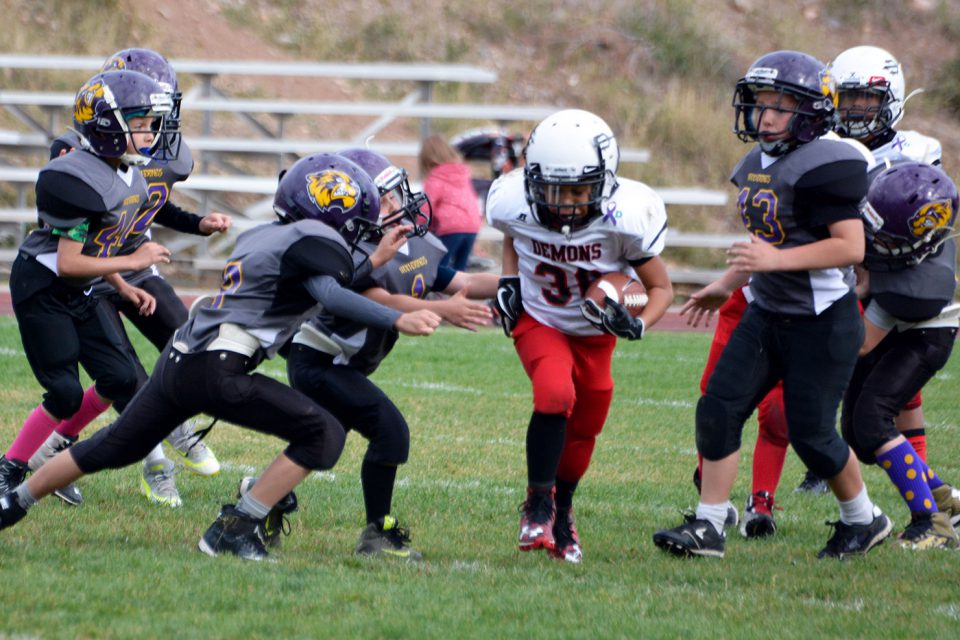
{"points": [[118, 567]]}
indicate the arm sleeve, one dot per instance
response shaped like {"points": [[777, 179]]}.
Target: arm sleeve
{"points": [[65, 201], [173, 217], [444, 278], [318, 256], [346, 304], [831, 192]]}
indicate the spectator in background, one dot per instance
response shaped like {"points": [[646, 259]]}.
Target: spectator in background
{"points": [[456, 206]]}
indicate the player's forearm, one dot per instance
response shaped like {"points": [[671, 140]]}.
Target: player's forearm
{"points": [[510, 261], [823, 254], [84, 266]]}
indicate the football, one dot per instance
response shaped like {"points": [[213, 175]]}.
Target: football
{"points": [[620, 287]]}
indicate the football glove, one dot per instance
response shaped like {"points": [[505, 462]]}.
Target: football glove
{"points": [[613, 319], [508, 303]]}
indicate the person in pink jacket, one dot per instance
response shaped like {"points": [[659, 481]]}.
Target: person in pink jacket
{"points": [[456, 207]]}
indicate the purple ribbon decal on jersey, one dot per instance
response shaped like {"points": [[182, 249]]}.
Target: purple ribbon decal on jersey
{"points": [[609, 215]]}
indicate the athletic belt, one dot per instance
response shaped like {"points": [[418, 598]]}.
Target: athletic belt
{"points": [[232, 338], [311, 337]]}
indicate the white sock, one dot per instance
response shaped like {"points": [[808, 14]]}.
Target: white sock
{"points": [[859, 510], [715, 514], [155, 456]]}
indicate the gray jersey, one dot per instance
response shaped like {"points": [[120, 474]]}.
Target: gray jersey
{"points": [[413, 272], [81, 197], [788, 202], [160, 178], [263, 290], [920, 292]]}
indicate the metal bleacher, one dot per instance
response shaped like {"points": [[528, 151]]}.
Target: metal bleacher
{"points": [[219, 182]]}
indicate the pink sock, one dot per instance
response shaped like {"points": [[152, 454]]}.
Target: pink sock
{"points": [[91, 407], [35, 431]]}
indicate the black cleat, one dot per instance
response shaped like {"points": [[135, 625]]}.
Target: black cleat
{"points": [[386, 539], [856, 539], [10, 510], [758, 516], [276, 521], [234, 532], [565, 534], [811, 483], [12, 473], [537, 515], [693, 538]]}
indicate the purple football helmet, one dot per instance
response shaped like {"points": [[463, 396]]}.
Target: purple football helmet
{"points": [[909, 213], [408, 207], [151, 63], [105, 104], [795, 74], [332, 189]]}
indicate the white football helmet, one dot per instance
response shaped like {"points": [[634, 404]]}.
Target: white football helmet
{"points": [[570, 147], [872, 70]]}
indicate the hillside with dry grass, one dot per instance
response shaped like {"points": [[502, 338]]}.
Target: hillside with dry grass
{"points": [[661, 72]]}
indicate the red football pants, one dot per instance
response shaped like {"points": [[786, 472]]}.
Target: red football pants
{"points": [[570, 375]]}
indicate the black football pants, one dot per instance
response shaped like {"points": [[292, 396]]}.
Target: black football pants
{"points": [[357, 403], [158, 327], [62, 328], [218, 383], [886, 379], [813, 355]]}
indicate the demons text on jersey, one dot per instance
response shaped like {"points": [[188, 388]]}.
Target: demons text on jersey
{"points": [[567, 253]]}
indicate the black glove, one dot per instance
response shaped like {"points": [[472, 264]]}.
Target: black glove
{"points": [[613, 319], [508, 303]]}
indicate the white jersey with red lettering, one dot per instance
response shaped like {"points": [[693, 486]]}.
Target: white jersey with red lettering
{"points": [[555, 269]]}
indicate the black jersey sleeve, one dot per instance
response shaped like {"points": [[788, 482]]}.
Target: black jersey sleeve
{"points": [[65, 201], [173, 217], [58, 146], [831, 192], [444, 278], [318, 256]]}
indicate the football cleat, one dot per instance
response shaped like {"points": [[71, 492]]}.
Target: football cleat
{"points": [[693, 538], [758, 516], [276, 521], [537, 517], [812, 484], [929, 531], [53, 445], [12, 473], [386, 539], [234, 532], [567, 539], [856, 539], [158, 485], [192, 452], [10, 510], [948, 501]]}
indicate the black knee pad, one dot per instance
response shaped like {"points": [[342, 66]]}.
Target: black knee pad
{"points": [[873, 425], [717, 435], [118, 386], [320, 444], [825, 456], [63, 397], [390, 449], [389, 437]]}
